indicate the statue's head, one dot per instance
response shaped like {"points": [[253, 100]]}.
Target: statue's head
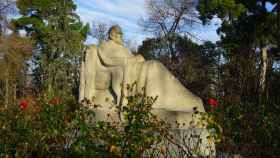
{"points": [[115, 34]]}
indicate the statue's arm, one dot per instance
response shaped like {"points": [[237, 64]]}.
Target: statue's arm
{"points": [[119, 61], [112, 55]]}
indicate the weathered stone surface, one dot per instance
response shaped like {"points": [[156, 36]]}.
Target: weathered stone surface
{"points": [[106, 70], [110, 65]]}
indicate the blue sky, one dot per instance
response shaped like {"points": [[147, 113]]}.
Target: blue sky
{"points": [[127, 13]]}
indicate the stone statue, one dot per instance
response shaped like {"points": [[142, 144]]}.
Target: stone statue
{"points": [[110, 66], [107, 68]]}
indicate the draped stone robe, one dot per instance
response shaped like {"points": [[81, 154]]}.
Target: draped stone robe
{"points": [[107, 67], [174, 103]]}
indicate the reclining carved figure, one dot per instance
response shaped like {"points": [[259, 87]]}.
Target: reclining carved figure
{"points": [[107, 68], [110, 65]]}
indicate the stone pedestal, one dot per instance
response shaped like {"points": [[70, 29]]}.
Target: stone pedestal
{"points": [[186, 143]]}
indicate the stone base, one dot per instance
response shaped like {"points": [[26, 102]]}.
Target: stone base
{"points": [[186, 143]]}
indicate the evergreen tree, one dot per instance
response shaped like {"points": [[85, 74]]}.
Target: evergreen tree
{"points": [[248, 27], [59, 36]]}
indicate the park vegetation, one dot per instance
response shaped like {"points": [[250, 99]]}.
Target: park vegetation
{"points": [[237, 77]]}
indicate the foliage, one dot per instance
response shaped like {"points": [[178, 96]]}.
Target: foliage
{"points": [[56, 125], [167, 18], [249, 34], [224, 8], [139, 130], [244, 128], [14, 51], [53, 127], [59, 35]]}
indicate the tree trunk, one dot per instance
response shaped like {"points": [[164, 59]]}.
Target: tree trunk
{"points": [[269, 74], [263, 70], [170, 44], [7, 89], [14, 86], [278, 24]]}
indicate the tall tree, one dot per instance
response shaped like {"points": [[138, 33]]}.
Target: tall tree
{"points": [[59, 36], [16, 50], [247, 27], [166, 18]]}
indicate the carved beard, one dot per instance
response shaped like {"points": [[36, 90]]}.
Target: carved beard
{"points": [[120, 42]]}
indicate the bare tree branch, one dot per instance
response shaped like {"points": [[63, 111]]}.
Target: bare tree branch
{"points": [[166, 18], [6, 7], [99, 31]]}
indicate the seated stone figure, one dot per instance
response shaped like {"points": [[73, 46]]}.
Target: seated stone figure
{"points": [[95, 84], [106, 69], [111, 65]]}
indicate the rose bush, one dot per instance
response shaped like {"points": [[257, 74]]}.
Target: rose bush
{"points": [[245, 128], [64, 128], [23, 104]]}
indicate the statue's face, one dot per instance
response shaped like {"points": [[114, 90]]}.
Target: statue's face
{"points": [[116, 35]]}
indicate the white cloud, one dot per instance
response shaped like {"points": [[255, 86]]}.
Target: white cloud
{"points": [[132, 9], [124, 13], [94, 16], [127, 14], [207, 32]]}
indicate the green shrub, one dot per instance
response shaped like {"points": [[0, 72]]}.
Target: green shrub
{"points": [[56, 128], [244, 128]]}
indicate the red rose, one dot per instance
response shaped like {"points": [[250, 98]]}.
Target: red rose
{"points": [[23, 104], [54, 101], [213, 102]]}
